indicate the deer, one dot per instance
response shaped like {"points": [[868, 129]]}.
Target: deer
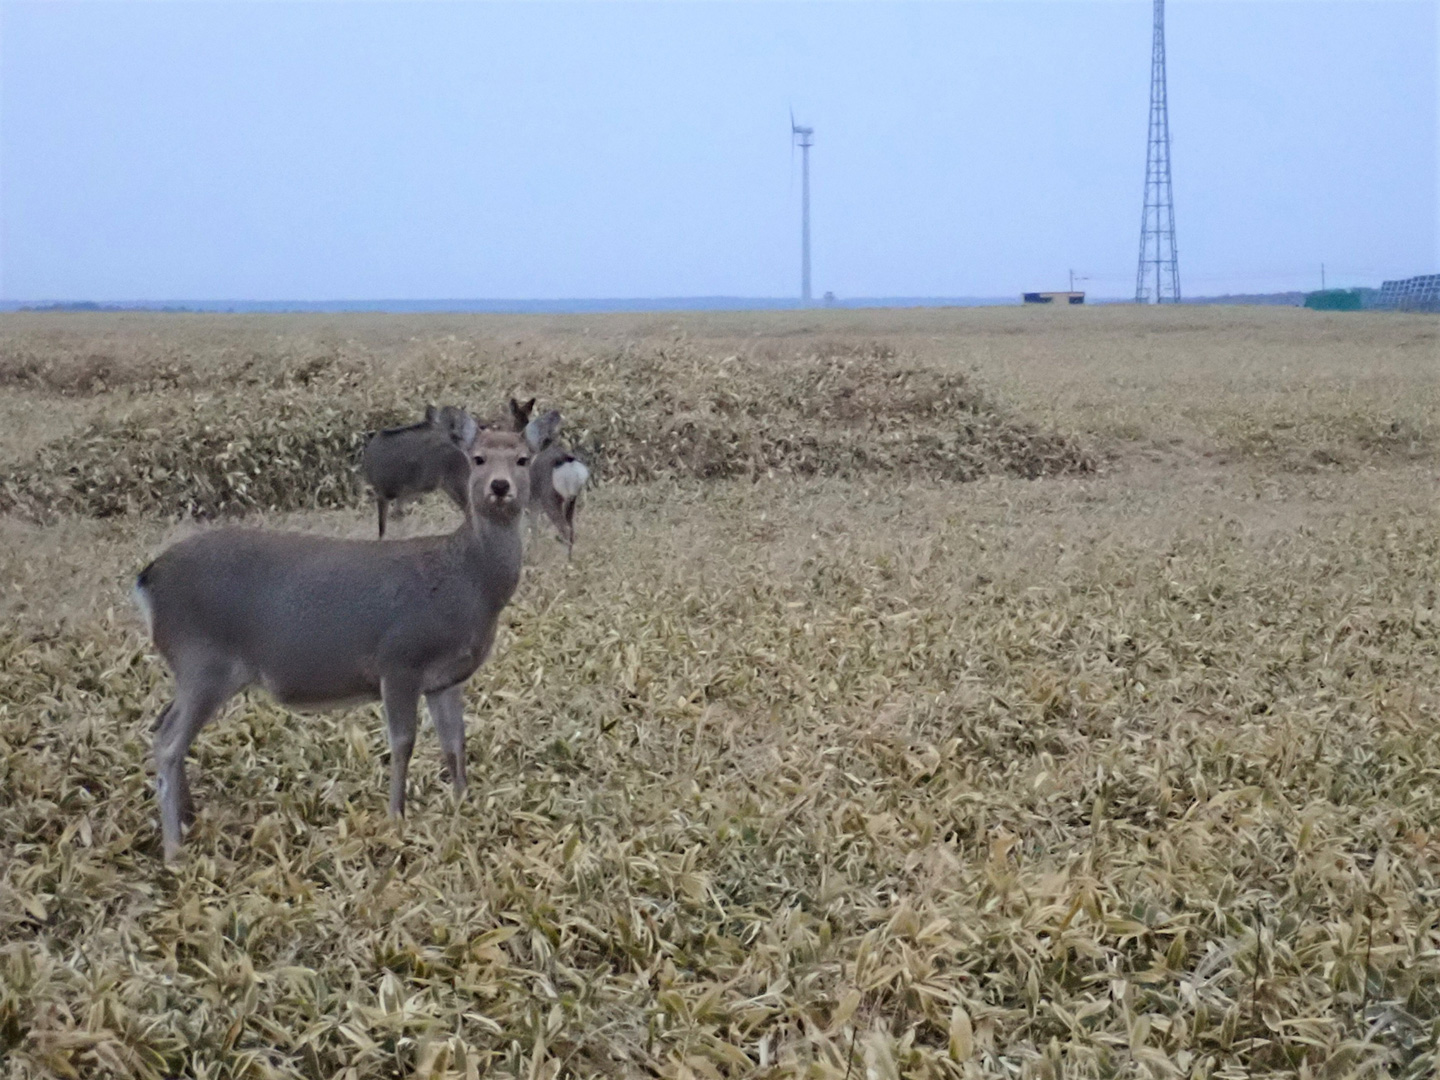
{"points": [[321, 622], [556, 476], [405, 462]]}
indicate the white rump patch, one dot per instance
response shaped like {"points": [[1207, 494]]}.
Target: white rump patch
{"points": [[147, 609], [569, 479]]}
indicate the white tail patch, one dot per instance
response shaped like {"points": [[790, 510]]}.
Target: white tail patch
{"points": [[569, 478], [147, 609]]}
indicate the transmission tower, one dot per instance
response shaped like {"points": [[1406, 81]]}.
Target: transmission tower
{"points": [[1158, 276], [803, 137]]}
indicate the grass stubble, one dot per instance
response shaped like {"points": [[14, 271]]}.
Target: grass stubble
{"points": [[945, 694]]}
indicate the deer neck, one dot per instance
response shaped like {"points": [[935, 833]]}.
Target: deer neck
{"points": [[492, 552]]}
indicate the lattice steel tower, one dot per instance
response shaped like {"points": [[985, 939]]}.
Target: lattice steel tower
{"points": [[1158, 276]]}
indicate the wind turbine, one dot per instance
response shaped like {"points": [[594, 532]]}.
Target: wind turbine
{"points": [[803, 136]]}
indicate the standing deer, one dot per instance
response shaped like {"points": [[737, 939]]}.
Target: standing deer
{"points": [[556, 476], [319, 622], [406, 462]]}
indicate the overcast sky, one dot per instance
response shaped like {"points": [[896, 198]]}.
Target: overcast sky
{"points": [[411, 150]]}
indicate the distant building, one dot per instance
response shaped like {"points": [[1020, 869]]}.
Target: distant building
{"points": [[829, 299], [1053, 297], [1410, 294]]}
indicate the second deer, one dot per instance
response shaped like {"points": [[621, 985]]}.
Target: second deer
{"points": [[556, 476], [406, 462]]}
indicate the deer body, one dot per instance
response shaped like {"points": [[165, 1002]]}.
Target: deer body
{"points": [[556, 476], [406, 462], [323, 622]]}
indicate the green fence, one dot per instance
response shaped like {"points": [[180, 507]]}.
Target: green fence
{"points": [[1337, 299]]}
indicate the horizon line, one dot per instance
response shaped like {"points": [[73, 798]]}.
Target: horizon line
{"points": [[558, 305]]}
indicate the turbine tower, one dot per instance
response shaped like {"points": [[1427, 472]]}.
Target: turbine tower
{"points": [[1158, 276], [803, 137]]}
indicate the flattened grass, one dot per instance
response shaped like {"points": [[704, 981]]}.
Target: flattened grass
{"points": [[1132, 774]]}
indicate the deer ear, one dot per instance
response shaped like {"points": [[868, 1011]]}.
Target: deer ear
{"points": [[521, 413], [541, 431], [538, 434], [469, 432], [432, 414]]}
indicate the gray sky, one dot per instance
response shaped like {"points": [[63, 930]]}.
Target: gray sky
{"points": [[411, 150]]}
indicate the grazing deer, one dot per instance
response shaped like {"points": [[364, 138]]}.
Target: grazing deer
{"points": [[556, 476], [319, 621], [406, 462]]}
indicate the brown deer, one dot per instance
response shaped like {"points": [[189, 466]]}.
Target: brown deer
{"points": [[321, 622]]}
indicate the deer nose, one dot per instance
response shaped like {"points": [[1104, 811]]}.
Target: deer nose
{"points": [[500, 486]]}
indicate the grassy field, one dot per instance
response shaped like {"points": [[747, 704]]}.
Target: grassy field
{"points": [[932, 693]]}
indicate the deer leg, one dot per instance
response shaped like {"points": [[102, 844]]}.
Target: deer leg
{"points": [[198, 698], [381, 504], [570, 528], [555, 511], [447, 711], [163, 730], [402, 704]]}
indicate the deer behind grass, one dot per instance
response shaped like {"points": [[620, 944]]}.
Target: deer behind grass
{"points": [[556, 476], [321, 622], [406, 462]]}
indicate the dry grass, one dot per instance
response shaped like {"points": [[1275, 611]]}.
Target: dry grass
{"points": [[792, 772], [636, 414]]}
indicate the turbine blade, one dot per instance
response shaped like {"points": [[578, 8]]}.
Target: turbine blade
{"points": [[791, 186]]}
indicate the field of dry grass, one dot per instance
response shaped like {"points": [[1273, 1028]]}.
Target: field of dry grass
{"points": [[932, 693]]}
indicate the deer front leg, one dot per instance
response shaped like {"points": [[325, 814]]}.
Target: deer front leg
{"points": [[447, 711], [401, 696]]}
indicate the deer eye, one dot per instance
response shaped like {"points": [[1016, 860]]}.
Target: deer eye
{"points": [[479, 459], [522, 461]]}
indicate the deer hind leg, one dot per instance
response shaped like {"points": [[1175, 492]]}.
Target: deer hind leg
{"points": [[555, 511], [401, 697], [199, 695], [161, 729], [570, 527], [447, 712]]}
